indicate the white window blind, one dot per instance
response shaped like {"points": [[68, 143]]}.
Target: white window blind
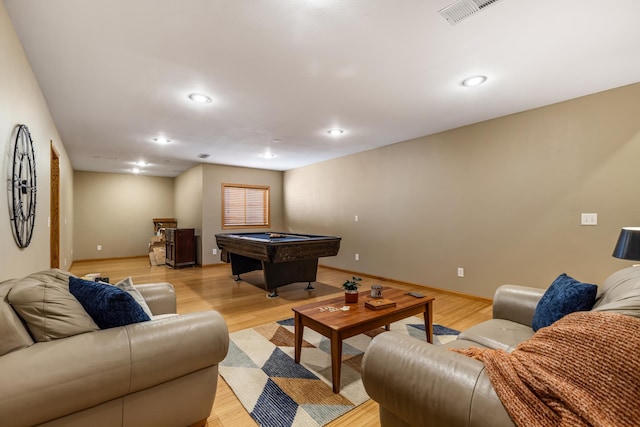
{"points": [[245, 206]]}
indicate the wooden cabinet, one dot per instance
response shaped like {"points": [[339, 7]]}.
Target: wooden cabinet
{"points": [[181, 247]]}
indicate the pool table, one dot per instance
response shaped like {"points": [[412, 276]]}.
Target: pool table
{"points": [[284, 258]]}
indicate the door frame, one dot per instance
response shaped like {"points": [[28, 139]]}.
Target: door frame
{"points": [[54, 210]]}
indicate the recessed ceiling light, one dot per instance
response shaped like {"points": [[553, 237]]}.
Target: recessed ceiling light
{"points": [[162, 140], [135, 170], [335, 132], [276, 141], [198, 97], [268, 155], [473, 81], [141, 163]]}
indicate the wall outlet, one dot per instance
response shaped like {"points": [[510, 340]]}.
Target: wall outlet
{"points": [[356, 218], [460, 272], [589, 219], [214, 251], [99, 247], [357, 257]]}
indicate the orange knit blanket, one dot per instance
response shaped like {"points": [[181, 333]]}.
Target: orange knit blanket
{"points": [[584, 370]]}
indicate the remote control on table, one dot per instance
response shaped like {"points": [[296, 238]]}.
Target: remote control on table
{"points": [[415, 294]]}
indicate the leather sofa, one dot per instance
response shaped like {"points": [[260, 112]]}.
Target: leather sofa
{"points": [[419, 384], [161, 372]]}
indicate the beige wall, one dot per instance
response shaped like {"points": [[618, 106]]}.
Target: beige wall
{"points": [[188, 198], [188, 203], [214, 176], [116, 211], [21, 102], [501, 198]]}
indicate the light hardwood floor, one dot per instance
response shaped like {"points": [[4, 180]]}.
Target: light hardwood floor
{"points": [[244, 304]]}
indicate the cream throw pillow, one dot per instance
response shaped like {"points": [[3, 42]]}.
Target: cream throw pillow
{"points": [[127, 286]]}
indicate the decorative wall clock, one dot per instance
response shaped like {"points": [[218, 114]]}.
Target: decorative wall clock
{"points": [[22, 211]]}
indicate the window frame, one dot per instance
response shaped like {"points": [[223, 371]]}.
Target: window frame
{"points": [[266, 207]]}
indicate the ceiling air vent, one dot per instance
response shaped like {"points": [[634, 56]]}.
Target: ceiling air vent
{"points": [[203, 155], [463, 9]]}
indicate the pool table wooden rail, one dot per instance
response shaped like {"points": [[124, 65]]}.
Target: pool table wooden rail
{"points": [[278, 251]]}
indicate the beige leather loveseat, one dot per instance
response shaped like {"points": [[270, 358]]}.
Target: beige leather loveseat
{"points": [[58, 369], [419, 384]]}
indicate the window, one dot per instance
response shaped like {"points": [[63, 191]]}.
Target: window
{"points": [[245, 206]]}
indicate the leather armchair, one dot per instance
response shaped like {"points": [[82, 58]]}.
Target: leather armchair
{"points": [[162, 372], [419, 384]]}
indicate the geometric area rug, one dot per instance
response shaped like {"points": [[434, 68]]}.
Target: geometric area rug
{"points": [[277, 392]]}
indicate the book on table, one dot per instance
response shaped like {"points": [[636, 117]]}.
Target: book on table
{"points": [[379, 303]]}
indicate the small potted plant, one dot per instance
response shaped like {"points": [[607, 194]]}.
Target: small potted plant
{"points": [[351, 290]]}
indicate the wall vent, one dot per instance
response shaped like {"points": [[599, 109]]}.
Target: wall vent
{"points": [[463, 9], [203, 155]]}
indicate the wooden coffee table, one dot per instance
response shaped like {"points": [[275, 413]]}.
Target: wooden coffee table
{"points": [[340, 325]]}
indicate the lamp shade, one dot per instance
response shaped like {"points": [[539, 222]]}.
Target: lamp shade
{"points": [[628, 246]]}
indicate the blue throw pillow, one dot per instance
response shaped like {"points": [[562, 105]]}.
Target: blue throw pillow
{"points": [[107, 305], [565, 295]]}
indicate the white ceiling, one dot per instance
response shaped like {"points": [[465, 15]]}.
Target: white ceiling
{"points": [[116, 73]]}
